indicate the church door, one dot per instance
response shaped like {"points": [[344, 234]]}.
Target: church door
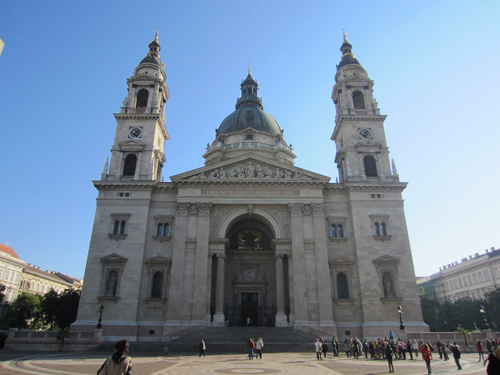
{"points": [[249, 309]]}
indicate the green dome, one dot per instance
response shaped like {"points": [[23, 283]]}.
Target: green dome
{"points": [[249, 117]]}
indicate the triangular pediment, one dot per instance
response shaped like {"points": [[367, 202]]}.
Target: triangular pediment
{"points": [[386, 259], [341, 261], [158, 259], [131, 145], [113, 258], [368, 145], [248, 168]]}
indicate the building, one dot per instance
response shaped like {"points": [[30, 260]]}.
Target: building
{"points": [[11, 270], [472, 278], [36, 281], [249, 237]]}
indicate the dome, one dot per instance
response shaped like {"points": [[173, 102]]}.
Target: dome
{"points": [[249, 117]]}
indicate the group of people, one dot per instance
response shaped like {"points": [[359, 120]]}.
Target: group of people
{"points": [[255, 348]]}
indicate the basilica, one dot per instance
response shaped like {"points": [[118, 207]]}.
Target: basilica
{"points": [[249, 237]]}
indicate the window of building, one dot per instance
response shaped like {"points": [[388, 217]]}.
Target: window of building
{"points": [[129, 165], [358, 100], [249, 137], [370, 166], [113, 266], [481, 280], [157, 287], [337, 228], [163, 228], [158, 268], [142, 98], [380, 225], [475, 278], [342, 287], [486, 275], [119, 226], [496, 271]]}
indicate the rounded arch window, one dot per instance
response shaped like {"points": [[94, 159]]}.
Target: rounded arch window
{"points": [[370, 166], [250, 235], [157, 287], [142, 98], [342, 288], [129, 165], [358, 100]]}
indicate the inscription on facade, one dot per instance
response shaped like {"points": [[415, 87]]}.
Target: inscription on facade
{"points": [[262, 193]]}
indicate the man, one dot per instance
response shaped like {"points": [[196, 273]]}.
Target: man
{"points": [[202, 348], [317, 344], [456, 354]]}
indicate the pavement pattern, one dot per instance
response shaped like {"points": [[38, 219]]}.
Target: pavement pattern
{"points": [[40, 363]]}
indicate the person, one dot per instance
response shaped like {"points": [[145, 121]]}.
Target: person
{"points": [[391, 335], [317, 344], [455, 349], [119, 363], [409, 349], [488, 345], [438, 344], [335, 346], [259, 345], [324, 347], [445, 350], [427, 356], [388, 356], [250, 347], [415, 346], [202, 348], [479, 346], [493, 360]]}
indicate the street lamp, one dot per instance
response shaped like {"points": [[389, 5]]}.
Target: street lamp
{"points": [[400, 312], [101, 309], [481, 310]]}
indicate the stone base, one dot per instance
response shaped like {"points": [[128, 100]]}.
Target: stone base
{"points": [[281, 320], [218, 320]]}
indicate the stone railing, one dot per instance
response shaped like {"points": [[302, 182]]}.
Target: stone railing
{"points": [[49, 341]]}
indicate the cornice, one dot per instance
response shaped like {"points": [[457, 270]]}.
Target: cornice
{"points": [[347, 118], [133, 185], [247, 182], [367, 186]]}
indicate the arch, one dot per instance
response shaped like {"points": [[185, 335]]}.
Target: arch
{"points": [[129, 165], [157, 285], [358, 100], [142, 98], [370, 166], [243, 214], [342, 287]]}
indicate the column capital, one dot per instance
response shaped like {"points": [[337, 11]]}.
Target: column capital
{"points": [[183, 209], [295, 208], [318, 208], [204, 208]]}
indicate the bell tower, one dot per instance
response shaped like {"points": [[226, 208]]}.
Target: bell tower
{"points": [[362, 152], [138, 148]]}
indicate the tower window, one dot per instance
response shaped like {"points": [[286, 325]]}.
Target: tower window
{"points": [[370, 166], [142, 98], [249, 137], [129, 165], [358, 100]]}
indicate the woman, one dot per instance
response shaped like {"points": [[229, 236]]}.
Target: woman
{"points": [[388, 356], [479, 346], [426, 354], [119, 363]]}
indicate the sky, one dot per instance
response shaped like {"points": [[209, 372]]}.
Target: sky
{"points": [[63, 73]]}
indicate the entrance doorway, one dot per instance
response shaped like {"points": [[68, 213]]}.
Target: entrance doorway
{"points": [[250, 309]]}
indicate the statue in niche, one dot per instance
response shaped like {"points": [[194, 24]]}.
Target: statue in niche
{"points": [[250, 170], [388, 285], [111, 283]]}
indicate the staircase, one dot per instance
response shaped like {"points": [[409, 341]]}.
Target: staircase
{"points": [[233, 340]]}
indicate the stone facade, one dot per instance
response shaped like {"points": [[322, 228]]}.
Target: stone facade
{"points": [[249, 238], [11, 270]]}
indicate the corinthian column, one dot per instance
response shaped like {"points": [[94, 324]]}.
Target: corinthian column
{"points": [[280, 293], [298, 264]]}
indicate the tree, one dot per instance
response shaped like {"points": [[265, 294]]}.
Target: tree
{"points": [[2, 294], [25, 311]]}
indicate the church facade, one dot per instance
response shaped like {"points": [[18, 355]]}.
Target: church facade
{"points": [[249, 238]]}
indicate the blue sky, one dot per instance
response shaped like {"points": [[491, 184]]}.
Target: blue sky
{"points": [[63, 74]]}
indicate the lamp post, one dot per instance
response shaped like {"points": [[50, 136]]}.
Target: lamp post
{"points": [[481, 310], [400, 312], [101, 309]]}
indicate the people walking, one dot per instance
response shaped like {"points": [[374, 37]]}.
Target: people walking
{"points": [[493, 361], [324, 347], [317, 344], [455, 349], [335, 346], [409, 349], [250, 347], [119, 362], [259, 345], [202, 347], [388, 356], [427, 356], [444, 348]]}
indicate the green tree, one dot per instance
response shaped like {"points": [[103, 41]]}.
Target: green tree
{"points": [[48, 306], [25, 311], [2, 294]]}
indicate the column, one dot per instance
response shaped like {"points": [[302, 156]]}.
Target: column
{"points": [[219, 292], [201, 263], [299, 264], [322, 267], [280, 293], [177, 268]]}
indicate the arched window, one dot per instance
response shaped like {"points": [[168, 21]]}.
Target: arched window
{"points": [[122, 227], [129, 165], [159, 231], [116, 227], [358, 100], [166, 229], [111, 283], [157, 287], [377, 229], [340, 230], [334, 231], [383, 229], [142, 98], [342, 288], [370, 166]]}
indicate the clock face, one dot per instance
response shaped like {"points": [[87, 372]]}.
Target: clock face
{"points": [[135, 133], [364, 134]]}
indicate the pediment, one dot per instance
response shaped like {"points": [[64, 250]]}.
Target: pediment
{"points": [[131, 145], [368, 145], [251, 168], [158, 259], [386, 259], [113, 258], [341, 261]]}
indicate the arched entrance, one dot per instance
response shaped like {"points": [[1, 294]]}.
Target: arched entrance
{"points": [[250, 287]]}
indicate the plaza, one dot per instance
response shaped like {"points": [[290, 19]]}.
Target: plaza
{"points": [[275, 363]]}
